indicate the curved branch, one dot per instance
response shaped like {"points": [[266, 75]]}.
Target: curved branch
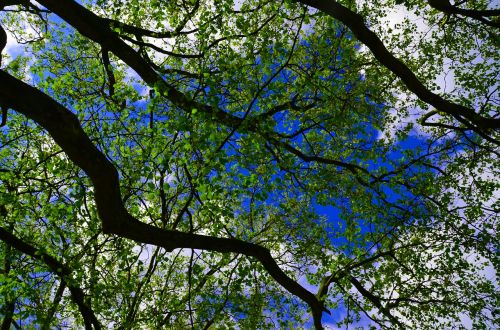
{"points": [[58, 268], [137, 31], [354, 169], [446, 7], [325, 283], [141, 43], [355, 23], [96, 29], [66, 131], [373, 299]]}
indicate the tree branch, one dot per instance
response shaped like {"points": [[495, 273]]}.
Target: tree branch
{"points": [[66, 131], [97, 29], [356, 24], [58, 268], [446, 7]]}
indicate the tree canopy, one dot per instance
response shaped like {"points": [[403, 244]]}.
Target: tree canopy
{"points": [[249, 164]]}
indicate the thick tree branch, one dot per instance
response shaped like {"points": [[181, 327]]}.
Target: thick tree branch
{"points": [[446, 7], [3, 42], [356, 24], [66, 131], [97, 29], [7, 310]]}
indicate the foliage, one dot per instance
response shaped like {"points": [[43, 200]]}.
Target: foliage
{"points": [[176, 164]]}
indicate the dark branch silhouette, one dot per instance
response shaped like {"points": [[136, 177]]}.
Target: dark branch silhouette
{"points": [[356, 24], [66, 131]]}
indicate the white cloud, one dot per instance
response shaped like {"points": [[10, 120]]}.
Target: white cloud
{"points": [[12, 48]]}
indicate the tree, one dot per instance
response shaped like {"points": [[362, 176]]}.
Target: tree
{"points": [[189, 164]]}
